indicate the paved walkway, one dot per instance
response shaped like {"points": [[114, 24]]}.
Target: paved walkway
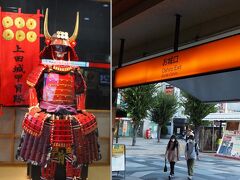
{"points": [[145, 161]]}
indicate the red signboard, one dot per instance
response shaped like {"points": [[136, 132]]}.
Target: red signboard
{"points": [[19, 53]]}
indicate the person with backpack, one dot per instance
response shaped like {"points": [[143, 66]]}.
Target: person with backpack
{"points": [[191, 154], [172, 153]]}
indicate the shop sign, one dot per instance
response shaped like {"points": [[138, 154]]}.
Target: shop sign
{"points": [[217, 56]]}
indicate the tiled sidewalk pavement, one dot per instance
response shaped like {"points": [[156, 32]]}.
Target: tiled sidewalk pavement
{"points": [[145, 162]]}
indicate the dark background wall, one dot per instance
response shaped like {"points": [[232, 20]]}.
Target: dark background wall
{"points": [[93, 42]]}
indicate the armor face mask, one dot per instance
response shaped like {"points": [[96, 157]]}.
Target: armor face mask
{"points": [[59, 51], [59, 45]]}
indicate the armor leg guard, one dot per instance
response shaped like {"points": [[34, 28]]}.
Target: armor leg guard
{"points": [[84, 174], [72, 172], [48, 172]]}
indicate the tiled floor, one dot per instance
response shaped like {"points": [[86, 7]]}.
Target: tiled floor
{"points": [[13, 173]]}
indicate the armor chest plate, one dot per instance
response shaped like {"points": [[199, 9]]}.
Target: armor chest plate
{"points": [[58, 88]]}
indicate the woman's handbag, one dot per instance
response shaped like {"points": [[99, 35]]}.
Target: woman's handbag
{"points": [[165, 167]]}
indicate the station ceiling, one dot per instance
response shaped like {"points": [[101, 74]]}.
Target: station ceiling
{"points": [[148, 29], [148, 26]]}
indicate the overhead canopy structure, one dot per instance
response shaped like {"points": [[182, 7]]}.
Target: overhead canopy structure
{"points": [[220, 87], [209, 72], [147, 34], [148, 26], [223, 117]]}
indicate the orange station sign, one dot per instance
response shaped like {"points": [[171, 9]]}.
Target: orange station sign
{"points": [[216, 56]]}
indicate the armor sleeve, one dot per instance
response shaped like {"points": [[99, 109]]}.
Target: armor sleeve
{"points": [[33, 100], [81, 101], [80, 89], [80, 84], [32, 81], [34, 76]]}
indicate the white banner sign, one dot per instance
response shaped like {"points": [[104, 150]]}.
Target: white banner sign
{"points": [[118, 157], [65, 63]]}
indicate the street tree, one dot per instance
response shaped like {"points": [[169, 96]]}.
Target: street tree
{"points": [[165, 106], [137, 101], [196, 111]]}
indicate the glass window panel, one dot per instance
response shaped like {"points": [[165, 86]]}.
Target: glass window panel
{"points": [[6, 121], [5, 149], [20, 112]]}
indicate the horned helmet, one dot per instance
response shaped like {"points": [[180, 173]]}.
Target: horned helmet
{"points": [[59, 45]]}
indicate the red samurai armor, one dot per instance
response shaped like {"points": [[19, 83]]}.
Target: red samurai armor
{"points": [[57, 130]]}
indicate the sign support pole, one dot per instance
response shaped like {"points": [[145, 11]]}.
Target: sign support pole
{"points": [[120, 65], [176, 36]]}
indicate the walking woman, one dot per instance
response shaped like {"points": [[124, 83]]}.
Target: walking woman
{"points": [[191, 153], [172, 153]]}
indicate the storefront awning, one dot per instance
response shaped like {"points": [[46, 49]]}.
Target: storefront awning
{"points": [[223, 117]]}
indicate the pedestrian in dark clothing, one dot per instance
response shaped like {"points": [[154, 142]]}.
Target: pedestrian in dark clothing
{"points": [[191, 154], [172, 153]]}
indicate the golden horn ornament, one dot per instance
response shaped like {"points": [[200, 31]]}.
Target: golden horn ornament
{"points": [[75, 33], [46, 33]]}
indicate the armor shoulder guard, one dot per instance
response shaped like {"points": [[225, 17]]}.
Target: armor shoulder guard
{"points": [[33, 77]]}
